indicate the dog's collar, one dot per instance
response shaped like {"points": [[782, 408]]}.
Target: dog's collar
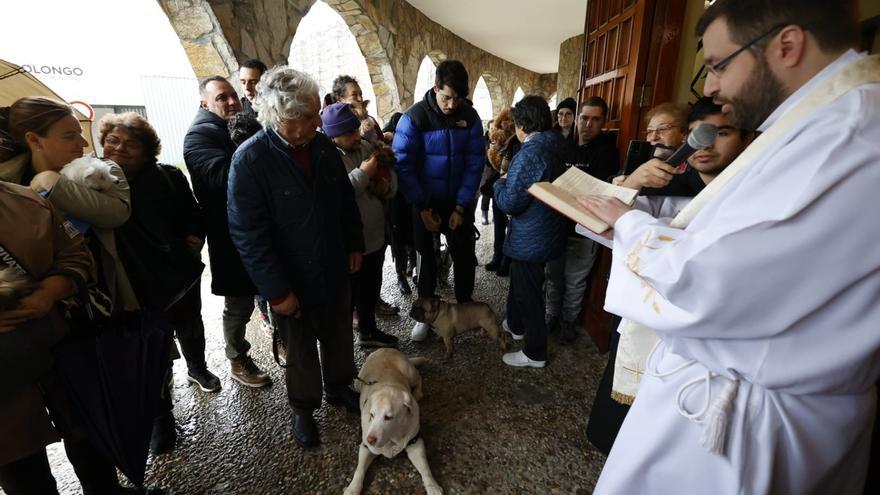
{"points": [[415, 438]]}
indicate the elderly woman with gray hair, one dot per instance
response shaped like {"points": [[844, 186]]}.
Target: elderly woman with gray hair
{"points": [[294, 220]]}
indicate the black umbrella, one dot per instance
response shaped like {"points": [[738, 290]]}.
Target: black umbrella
{"points": [[113, 375]]}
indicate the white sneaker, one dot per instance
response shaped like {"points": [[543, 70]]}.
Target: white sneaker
{"points": [[520, 360], [514, 336], [420, 332]]}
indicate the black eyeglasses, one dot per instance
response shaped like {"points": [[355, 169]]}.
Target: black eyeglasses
{"points": [[717, 68]]}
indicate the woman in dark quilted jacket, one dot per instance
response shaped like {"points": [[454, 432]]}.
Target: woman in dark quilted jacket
{"points": [[536, 233]]}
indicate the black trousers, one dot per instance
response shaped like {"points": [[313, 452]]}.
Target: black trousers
{"points": [[366, 284], [525, 307], [402, 248], [329, 324], [499, 225], [32, 474], [462, 242], [607, 415], [186, 317]]}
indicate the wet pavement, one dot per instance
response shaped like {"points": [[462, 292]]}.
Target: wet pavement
{"points": [[488, 428]]}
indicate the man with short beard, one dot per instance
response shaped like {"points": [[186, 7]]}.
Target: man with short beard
{"points": [[761, 295], [207, 151], [440, 152]]}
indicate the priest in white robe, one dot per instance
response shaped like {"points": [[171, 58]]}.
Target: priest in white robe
{"points": [[765, 290]]}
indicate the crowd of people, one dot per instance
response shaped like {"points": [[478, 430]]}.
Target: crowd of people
{"points": [[298, 198]]}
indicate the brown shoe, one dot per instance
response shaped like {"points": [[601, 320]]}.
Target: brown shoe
{"points": [[247, 373]]}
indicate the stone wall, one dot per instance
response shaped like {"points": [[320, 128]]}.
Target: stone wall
{"points": [[393, 36], [571, 52]]}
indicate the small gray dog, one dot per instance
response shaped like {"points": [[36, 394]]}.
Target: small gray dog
{"points": [[13, 286], [450, 319]]}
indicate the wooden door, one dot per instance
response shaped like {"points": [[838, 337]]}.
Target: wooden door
{"points": [[630, 55]]}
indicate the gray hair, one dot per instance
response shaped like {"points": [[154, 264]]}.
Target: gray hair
{"points": [[283, 94]]}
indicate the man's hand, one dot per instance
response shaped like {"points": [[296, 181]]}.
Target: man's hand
{"points": [[194, 243], [36, 305], [605, 208], [430, 219], [653, 173], [355, 259], [455, 220], [370, 167], [288, 307], [45, 181]]}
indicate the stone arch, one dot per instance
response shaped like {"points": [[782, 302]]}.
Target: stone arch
{"points": [[481, 97], [517, 95], [369, 37], [216, 35], [496, 91], [201, 36]]}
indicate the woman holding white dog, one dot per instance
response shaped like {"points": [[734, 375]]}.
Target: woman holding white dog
{"points": [[44, 136], [38, 136]]}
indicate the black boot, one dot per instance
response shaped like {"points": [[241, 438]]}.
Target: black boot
{"points": [[348, 398], [567, 333], [305, 431], [164, 434], [403, 284]]}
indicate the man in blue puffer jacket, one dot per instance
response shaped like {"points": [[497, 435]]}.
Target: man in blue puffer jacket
{"points": [[536, 233], [440, 154]]}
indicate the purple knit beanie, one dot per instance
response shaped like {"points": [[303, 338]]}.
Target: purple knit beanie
{"points": [[338, 120]]}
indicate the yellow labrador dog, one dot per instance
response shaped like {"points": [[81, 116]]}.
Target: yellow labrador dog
{"points": [[390, 387]]}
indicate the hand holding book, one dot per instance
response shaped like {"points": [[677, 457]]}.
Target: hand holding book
{"points": [[594, 213], [605, 208]]}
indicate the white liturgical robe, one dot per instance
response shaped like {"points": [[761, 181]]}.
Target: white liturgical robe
{"points": [[767, 307]]}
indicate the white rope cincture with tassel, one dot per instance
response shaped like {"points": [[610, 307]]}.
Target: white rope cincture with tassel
{"points": [[717, 417], [714, 415]]}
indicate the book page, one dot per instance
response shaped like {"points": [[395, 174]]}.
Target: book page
{"points": [[564, 202], [579, 183]]}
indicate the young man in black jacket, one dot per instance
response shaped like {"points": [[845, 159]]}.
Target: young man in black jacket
{"points": [[595, 154]]}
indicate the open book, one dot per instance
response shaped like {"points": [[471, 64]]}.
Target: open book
{"points": [[561, 193]]}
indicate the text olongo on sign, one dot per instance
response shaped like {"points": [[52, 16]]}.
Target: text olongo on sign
{"points": [[52, 70]]}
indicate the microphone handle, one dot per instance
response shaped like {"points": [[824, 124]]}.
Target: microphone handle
{"points": [[681, 155]]}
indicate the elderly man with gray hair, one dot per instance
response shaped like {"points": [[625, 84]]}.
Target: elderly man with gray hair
{"points": [[294, 220]]}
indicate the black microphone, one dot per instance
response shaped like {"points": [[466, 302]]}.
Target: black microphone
{"points": [[703, 135]]}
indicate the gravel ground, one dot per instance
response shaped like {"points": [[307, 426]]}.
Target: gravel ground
{"points": [[488, 428]]}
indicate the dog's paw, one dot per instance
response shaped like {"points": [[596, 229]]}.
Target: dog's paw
{"points": [[433, 489], [353, 489]]}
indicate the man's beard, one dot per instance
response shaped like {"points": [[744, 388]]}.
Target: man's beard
{"points": [[761, 94]]}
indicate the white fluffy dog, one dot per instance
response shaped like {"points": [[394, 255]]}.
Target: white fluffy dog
{"points": [[91, 172], [391, 385]]}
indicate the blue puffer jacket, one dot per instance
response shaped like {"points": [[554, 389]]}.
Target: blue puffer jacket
{"points": [[294, 232], [536, 233], [439, 157]]}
